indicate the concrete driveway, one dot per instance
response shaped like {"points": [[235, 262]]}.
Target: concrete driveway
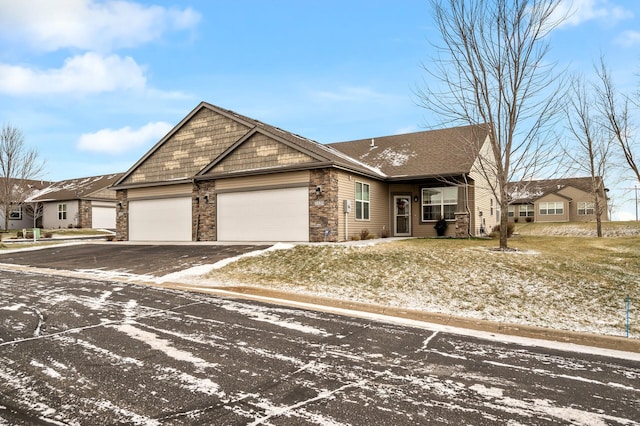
{"points": [[138, 259]]}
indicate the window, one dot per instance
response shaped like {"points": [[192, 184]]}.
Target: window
{"points": [[552, 208], [441, 202], [512, 211], [585, 208], [362, 201], [526, 210], [62, 211], [15, 213]]}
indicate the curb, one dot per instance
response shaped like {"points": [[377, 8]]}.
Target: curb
{"points": [[281, 297], [321, 303]]}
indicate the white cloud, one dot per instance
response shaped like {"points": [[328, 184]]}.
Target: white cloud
{"points": [[629, 38], [88, 73], [89, 24], [579, 11], [116, 141]]}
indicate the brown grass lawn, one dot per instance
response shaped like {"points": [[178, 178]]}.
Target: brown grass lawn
{"points": [[568, 282]]}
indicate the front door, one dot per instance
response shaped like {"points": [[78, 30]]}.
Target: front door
{"points": [[402, 216]]}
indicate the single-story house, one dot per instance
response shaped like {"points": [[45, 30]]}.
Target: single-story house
{"points": [[221, 176], [16, 192], [79, 203], [557, 200]]}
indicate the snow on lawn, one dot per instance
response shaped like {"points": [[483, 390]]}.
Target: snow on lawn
{"points": [[577, 284]]}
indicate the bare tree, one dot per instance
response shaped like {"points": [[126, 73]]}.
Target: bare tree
{"points": [[17, 165], [592, 145], [617, 108], [491, 69]]}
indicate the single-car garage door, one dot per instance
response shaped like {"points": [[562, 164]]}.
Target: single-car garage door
{"points": [[164, 219], [268, 215], [103, 217]]}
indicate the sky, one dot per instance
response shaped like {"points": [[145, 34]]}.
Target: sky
{"points": [[93, 85]]}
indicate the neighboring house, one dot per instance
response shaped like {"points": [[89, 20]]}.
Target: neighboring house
{"points": [[20, 213], [221, 176], [556, 200], [79, 203]]}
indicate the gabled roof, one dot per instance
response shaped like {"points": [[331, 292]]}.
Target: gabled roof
{"points": [[444, 152], [322, 154], [528, 191], [77, 189]]}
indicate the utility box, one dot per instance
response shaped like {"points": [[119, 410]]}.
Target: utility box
{"points": [[347, 206], [36, 233]]}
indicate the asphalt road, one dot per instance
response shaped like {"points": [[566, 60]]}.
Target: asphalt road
{"points": [[77, 351], [138, 259]]}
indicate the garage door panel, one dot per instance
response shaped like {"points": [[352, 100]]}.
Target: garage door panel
{"points": [[103, 217], [166, 219], [269, 215]]}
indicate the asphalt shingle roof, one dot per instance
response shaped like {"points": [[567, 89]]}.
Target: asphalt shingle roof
{"points": [[443, 152], [74, 189]]}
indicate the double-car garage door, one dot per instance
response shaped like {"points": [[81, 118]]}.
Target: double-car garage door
{"points": [[262, 215], [266, 215]]}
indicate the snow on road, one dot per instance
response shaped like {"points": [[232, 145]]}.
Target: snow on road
{"points": [[122, 353]]}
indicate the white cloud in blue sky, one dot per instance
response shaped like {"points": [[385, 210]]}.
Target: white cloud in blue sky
{"points": [[85, 78], [47, 25], [89, 73], [115, 141], [580, 11]]}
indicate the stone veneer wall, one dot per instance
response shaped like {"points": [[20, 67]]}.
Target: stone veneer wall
{"points": [[462, 224], [122, 216], [204, 212], [323, 209], [84, 214]]}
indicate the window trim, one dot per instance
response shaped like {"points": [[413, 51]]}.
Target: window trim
{"points": [[556, 211], [586, 206], [62, 211], [362, 202], [15, 209], [528, 209], [442, 204]]}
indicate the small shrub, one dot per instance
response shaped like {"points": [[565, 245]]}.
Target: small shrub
{"points": [[529, 219], [19, 234], [355, 237], [48, 234], [385, 233], [364, 234], [515, 220]]}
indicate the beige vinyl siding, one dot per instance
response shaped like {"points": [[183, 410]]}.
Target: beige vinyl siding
{"points": [[378, 206], [274, 180], [159, 191], [483, 196]]}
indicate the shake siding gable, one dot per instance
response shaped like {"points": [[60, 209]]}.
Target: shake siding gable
{"points": [[260, 152], [194, 145]]}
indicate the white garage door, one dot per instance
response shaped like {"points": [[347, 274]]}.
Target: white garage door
{"points": [[166, 219], [269, 215], [103, 217]]}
